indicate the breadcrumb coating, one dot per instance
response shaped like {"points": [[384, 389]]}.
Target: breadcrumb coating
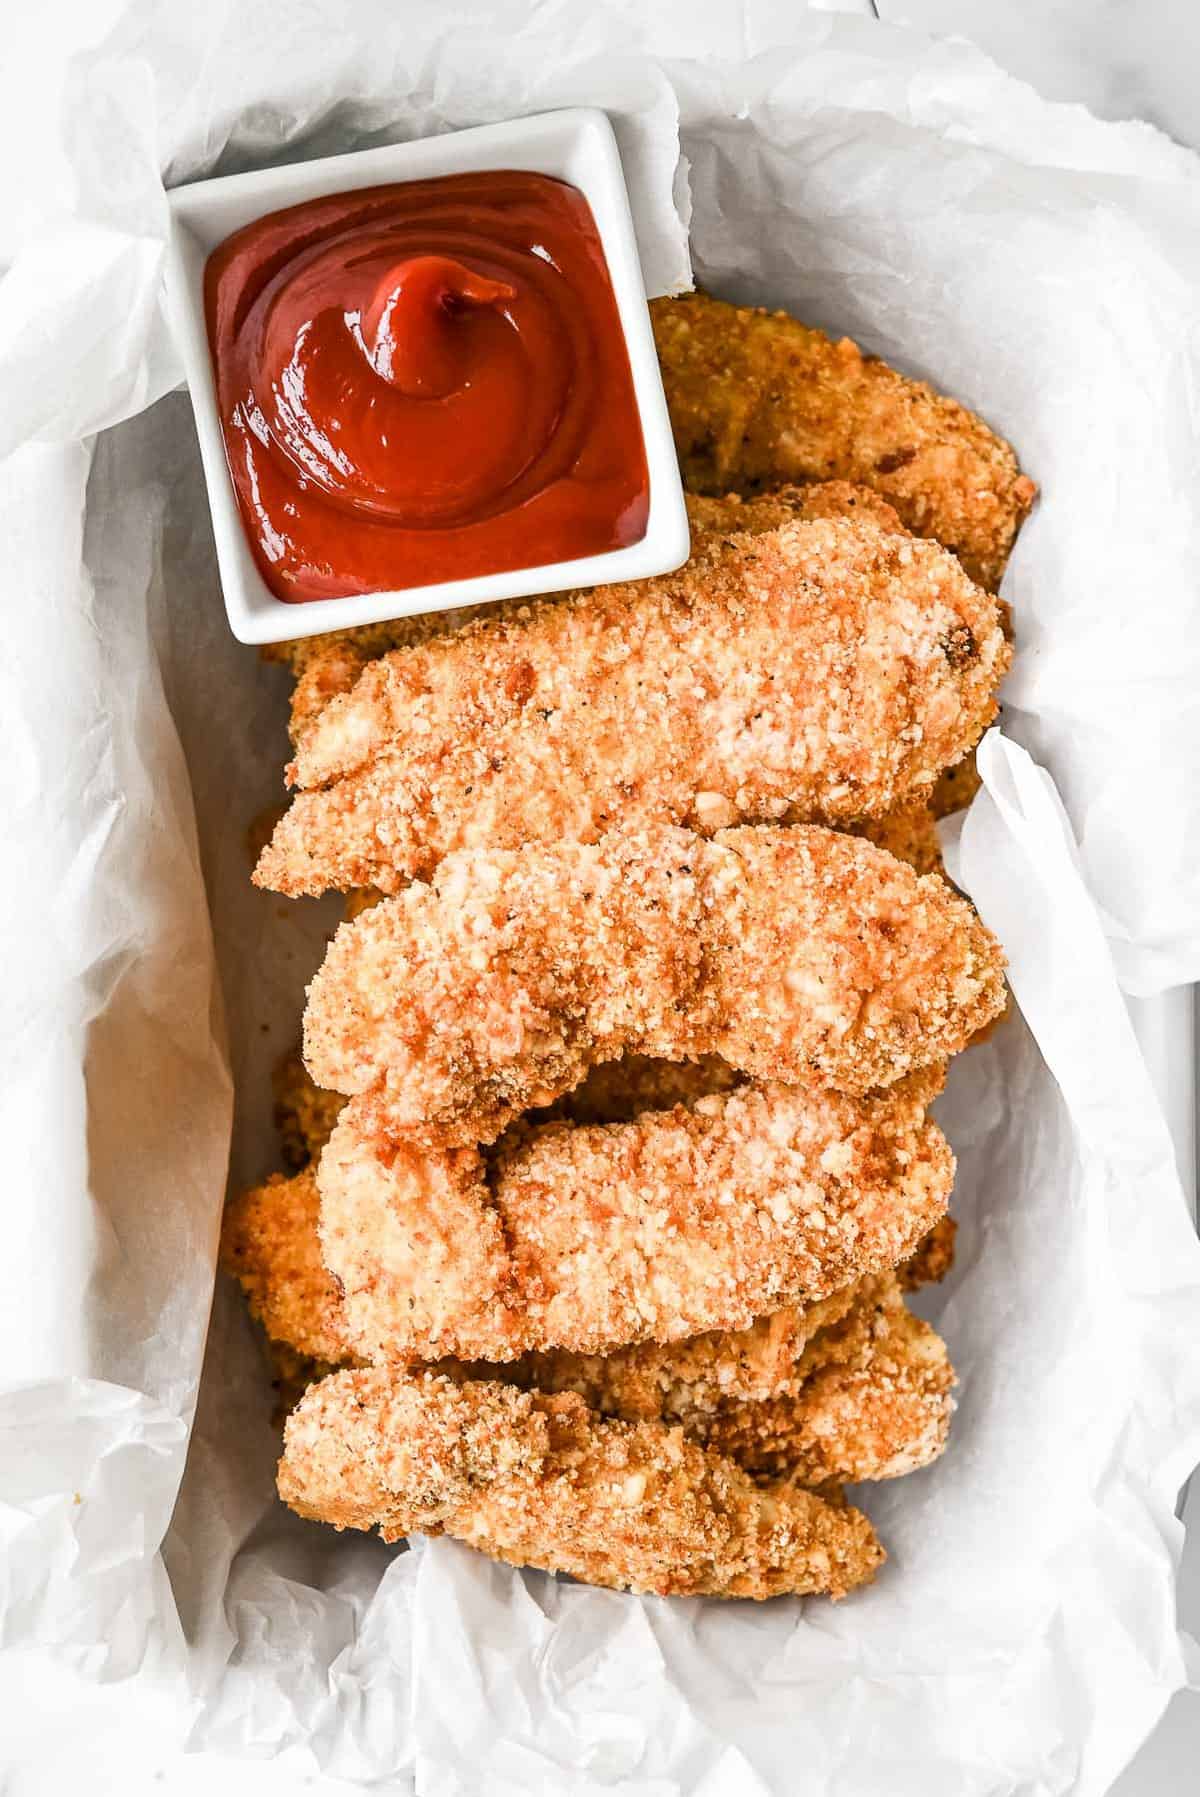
{"points": [[543, 1482], [270, 1244], [869, 1399], [793, 953], [933, 1259], [825, 671], [591, 1237], [329, 664], [757, 398], [612, 1092], [909, 833], [685, 1380], [716, 515]]}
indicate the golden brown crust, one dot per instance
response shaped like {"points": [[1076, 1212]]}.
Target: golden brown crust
{"points": [[792, 953], [757, 398], [852, 1388], [827, 671], [933, 1259], [329, 664], [684, 1380], [541, 1481], [612, 1092], [716, 515], [588, 1238], [269, 1243], [909, 833], [868, 1399]]}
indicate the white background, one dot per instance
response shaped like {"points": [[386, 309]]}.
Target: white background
{"points": [[1121, 59]]}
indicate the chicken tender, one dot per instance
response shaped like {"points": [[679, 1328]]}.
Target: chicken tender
{"points": [[685, 1380], [271, 1244], [589, 1238], [757, 398], [854, 1387], [824, 671], [328, 665], [543, 1482], [716, 515], [792, 953]]}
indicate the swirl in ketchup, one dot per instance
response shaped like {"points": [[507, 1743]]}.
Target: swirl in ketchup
{"points": [[425, 382]]}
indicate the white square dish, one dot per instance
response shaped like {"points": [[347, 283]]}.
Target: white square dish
{"points": [[575, 145]]}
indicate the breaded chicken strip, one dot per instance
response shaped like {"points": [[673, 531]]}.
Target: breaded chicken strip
{"points": [[848, 1387], [757, 398], [713, 516], [542, 1481], [792, 953], [270, 1243], [680, 1381], [825, 671], [591, 1237], [327, 665]]}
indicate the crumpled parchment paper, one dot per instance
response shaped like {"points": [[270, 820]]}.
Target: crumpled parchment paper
{"points": [[1044, 268]]}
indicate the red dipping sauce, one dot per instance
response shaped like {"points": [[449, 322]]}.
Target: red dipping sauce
{"points": [[424, 382]]}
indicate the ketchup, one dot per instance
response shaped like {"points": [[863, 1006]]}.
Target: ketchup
{"points": [[424, 382]]}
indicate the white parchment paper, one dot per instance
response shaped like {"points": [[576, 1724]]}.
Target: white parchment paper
{"points": [[1044, 268]]}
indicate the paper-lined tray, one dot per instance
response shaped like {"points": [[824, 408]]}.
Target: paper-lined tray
{"points": [[1044, 269]]}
